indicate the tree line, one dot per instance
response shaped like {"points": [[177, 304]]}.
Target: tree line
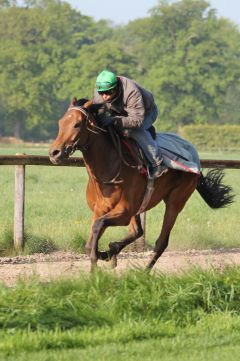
{"points": [[182, 52]]}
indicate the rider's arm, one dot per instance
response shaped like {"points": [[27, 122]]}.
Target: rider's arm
{"points": [[135, 111]]}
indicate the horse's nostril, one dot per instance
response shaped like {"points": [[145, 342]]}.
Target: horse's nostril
{"points": [[55, 152]]}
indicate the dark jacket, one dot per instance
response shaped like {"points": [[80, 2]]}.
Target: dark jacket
{"points": [[131, 105]]}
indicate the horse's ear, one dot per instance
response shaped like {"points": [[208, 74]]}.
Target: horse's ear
{"points": [[88, 104], [73, 102]]}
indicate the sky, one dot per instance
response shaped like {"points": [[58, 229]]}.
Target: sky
{"points": [[123, 11]]}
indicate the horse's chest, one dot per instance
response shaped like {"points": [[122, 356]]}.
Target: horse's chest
{"points": [[108, 198]]}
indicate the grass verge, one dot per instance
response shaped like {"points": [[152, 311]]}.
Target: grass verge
{"points": [[183, 315]]}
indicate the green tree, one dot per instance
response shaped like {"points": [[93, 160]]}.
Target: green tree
{"points": [[50, 52], [79, 73], [190, 60], [36, 40]]}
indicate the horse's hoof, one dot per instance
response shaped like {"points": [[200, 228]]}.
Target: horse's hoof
{"points": [[104, 256]]}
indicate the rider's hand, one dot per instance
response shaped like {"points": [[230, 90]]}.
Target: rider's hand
{"points": [[105, 121]]}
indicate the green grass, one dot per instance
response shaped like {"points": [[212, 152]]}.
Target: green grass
{"points": [[137, 316], [215, 338], [57, 215], [210, 341]]}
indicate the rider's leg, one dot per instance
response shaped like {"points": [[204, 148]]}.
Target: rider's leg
{"points": [[147, 143], [149, 146], [150, 149]]}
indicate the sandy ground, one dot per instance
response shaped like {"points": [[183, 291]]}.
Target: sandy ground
{"points": [[68, 265]]}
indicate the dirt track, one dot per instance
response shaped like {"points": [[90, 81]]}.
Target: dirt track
{"points": [[67, 264]]}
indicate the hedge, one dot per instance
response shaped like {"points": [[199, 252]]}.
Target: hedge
{"points": [[212, 137]]}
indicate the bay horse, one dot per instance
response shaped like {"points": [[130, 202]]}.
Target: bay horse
{"points": [[115, 191]]}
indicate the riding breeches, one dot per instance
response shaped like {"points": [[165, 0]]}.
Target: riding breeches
{"points": [[143, 137]]}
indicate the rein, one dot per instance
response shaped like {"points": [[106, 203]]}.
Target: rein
{"points": [[117, 143], [92, 127], [150, 182]]}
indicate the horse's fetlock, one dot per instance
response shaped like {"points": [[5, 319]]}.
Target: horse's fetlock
{"points": [[114, 248]]}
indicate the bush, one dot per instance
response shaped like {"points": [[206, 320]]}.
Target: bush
{"points": [[35, 244], [213, 137]]}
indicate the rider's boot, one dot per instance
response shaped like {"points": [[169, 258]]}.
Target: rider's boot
{"points": [[157, 170]]}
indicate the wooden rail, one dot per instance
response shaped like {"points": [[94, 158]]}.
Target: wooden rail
{"points": [[21, 160], [79, 162], [212, 163]]}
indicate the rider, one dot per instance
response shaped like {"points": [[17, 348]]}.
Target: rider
{"points": [[130, 107]]}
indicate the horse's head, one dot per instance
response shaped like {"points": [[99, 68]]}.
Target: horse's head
{"points": [[72, 133]]}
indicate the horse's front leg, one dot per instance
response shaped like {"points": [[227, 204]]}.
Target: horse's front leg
{"points": [[88, 245], [136, 231], [116, 247], [98, 228]]}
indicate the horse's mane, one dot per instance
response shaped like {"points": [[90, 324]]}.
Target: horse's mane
{"points": [[81, 102], [93, 109]]}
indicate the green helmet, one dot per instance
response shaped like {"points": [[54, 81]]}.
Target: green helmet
{"points": [[106, 80]]}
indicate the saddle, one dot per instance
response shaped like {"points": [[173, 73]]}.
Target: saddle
{"points": [[132, 154]]}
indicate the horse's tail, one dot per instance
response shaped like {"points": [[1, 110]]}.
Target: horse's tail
{"points": [[213, 191]]}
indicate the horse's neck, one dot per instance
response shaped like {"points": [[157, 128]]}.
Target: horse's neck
{"points": [[101, 157]]}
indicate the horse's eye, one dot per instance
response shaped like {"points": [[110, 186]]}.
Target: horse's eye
{"points": [[77, 125]]}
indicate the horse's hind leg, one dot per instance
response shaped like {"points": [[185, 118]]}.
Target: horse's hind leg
{"points": [[175, 202], [161, 244]]}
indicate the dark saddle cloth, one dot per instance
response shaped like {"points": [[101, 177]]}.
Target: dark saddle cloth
{"points": [[177, 153]]}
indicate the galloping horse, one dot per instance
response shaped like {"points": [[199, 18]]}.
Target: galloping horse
{"points": [[115, 191]]}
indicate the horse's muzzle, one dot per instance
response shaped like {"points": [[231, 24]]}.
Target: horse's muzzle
{"points": [[56, 156]]}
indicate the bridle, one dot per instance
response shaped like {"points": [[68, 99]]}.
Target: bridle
{"points": [[91, 126]]}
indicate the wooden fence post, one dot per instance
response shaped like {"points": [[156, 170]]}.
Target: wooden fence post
{"points": [[19, 207]]}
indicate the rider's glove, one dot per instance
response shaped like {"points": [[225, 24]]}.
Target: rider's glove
{"points": [[105, 120]]}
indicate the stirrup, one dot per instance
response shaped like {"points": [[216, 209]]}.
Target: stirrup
{"points": [[156, 172]]}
